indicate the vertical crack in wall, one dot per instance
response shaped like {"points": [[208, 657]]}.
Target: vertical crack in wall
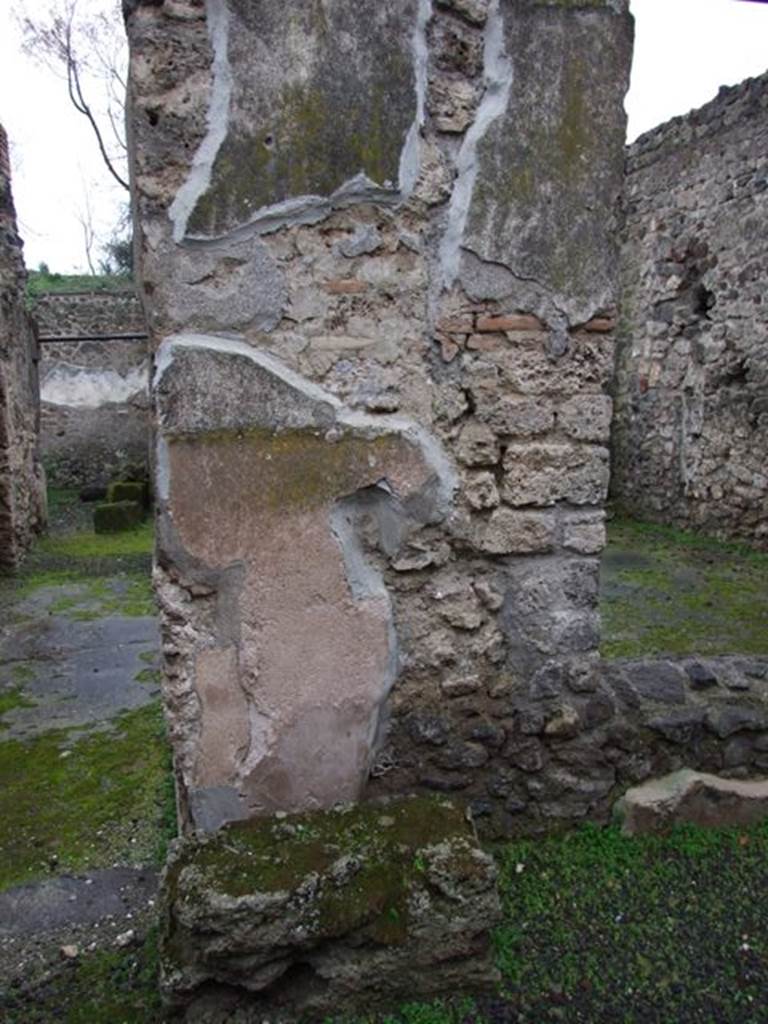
{"points": [[498, 74], [199, 178]]}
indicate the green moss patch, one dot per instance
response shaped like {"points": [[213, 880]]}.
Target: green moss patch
{"points": [[116, 516], [105, 987], [10, 698], [666, 591], [127, 490], [89, 803], [379, 842]]}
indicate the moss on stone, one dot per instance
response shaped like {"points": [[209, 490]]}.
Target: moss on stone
{"points": [[295, 469], [365, 855], [10, 698], [88, 802], [116, 516], [127, 490]]}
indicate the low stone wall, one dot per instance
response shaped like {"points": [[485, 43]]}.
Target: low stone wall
{"points": [[95, 405], [532, 756], [691, 428], [116, 311], [22, 487]]}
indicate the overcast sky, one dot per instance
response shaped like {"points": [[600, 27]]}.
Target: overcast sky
{"points": [[684, 51]]}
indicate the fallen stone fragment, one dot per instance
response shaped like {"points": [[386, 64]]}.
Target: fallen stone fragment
{"points": [[694, 798], [314, 914], [70, 952]]}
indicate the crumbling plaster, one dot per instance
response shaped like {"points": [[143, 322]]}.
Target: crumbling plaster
{"points": [[439, 297]]}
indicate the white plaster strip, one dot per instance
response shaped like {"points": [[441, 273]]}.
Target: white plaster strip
{"points": [[498, 82], [433, 452], [199, 178]]}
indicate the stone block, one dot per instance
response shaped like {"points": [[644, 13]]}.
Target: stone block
{"points": [[127, 490], [659, 681], [516, 415], [347, 911], [477, 445], [584, 533], [692, 797], [116, 516], [586, 417], [542, 474], [509, 532]]}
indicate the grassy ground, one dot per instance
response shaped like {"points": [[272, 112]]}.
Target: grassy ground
{"points": [[666, 591], [41, 281], [72, 800], [598, 928]]}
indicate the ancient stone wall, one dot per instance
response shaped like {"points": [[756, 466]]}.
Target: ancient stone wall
{"points": [[95, 393], [22, 488], [691, 433], [377, 255]]}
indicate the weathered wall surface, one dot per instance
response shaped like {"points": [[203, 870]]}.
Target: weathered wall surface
{"points": [[377, 255], [691, 432], [22, 487], [95, 394]]}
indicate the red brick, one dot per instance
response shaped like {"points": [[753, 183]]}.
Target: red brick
{"points": [[345, 286], [456, 324], [519, 322], [600, 325]]}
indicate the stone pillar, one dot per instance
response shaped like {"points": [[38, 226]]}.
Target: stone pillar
{"points": [[22, 487], [377, 257]]}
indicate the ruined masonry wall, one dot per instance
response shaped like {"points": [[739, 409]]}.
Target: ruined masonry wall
{"points": [[22, 488], [691, 432], [379, 271], [95, 394]]}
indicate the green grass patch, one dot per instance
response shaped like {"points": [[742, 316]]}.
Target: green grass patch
{"points": [[12, 698], [149, 676], [40, 282], [602, 927], [105, 987], [131, 596], [85, 804], [668, 591], [138, 541]]}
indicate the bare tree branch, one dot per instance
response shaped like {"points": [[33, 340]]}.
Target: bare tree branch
{"points": [[85, 49]]}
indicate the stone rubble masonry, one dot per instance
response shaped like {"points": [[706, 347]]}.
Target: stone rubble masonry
{"points": [[691, 431], [293, 918], [95, 417], [22, 484], [379, 271]]}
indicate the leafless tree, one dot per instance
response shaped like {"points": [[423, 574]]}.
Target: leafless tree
{"points": [[89, 51]]}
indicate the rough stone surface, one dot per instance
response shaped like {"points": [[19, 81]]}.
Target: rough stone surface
{"points": [[94, 394], [379, 296], [695, 798], [290, 918], [691, 433], [22, 486]]}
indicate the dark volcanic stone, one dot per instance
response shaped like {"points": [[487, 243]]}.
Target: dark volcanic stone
{"points": [[701, 677]]}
